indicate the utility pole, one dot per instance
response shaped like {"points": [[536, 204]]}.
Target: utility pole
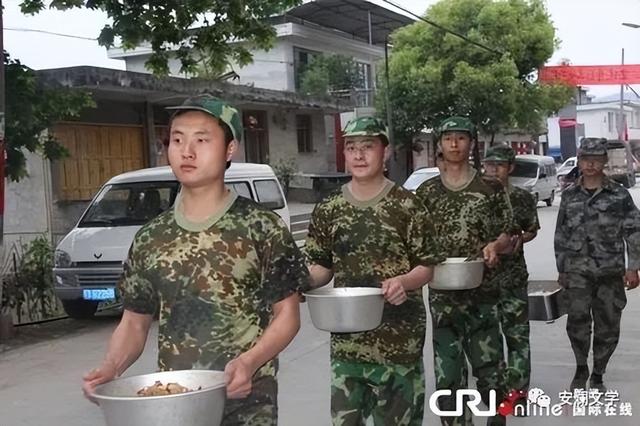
{"points": [[621, 122], [2, 142]]}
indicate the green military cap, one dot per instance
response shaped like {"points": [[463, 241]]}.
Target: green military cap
{"points": [[592, 146], [215, 107], [367, 126], [500, 154], [456, 124]]}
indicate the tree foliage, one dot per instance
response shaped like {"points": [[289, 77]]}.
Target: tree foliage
{"points": [[196, 32], [330, 74], [434, 74], [32, 109]]}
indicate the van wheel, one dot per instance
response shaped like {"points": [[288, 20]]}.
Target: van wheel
{"points": [[549, 200], [80, 309]]}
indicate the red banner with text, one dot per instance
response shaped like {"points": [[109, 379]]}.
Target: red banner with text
{"points": [[582, 75]]}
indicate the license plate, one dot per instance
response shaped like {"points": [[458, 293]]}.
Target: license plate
{"points": [[99, 293]]}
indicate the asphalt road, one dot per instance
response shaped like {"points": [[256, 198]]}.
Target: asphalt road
{"points": [[40, 372]]}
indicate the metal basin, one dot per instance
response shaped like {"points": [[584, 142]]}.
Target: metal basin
{"points": [[456, 274], [544, 301], [122, 407], [346, 309]]}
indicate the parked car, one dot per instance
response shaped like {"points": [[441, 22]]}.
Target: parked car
{"points": [[536, 174], [566, 167], [419, 176], [569, 179], [88, 260]]}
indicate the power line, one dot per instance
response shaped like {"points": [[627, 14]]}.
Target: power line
{"points": [[31, 30], [440, 27]]}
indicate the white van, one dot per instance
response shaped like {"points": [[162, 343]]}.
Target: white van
{"points": [[88, 260], [536, 174], [420, 176]]}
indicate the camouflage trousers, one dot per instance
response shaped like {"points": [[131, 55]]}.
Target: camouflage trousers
{"points": [[466, 329], [514, 320], [377, 394], [260, 408], [596, 301]]}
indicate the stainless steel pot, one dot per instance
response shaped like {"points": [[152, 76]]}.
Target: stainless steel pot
{"points": [[346, 309], [545, 301], [122, 407], [457, 274]]}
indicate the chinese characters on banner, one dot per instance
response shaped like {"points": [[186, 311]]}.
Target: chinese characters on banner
{"points": [[581, 75]]}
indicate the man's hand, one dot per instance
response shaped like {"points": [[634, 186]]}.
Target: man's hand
{"points": [[490, 255], [631, 279], [238, 374], [103, 374], [563, 280], [393, 290], [516, 243]]}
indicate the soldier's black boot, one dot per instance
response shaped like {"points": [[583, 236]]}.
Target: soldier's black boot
{"points": [[580, 378], [595, 382]]}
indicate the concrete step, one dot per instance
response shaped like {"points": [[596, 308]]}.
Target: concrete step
{"points": [[304, 217], [299, 226]]}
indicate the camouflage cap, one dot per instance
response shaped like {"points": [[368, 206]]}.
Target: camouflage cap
{"points": [[215, 107], [500, 154], [367, 126], [592, 146], [456, 124]]}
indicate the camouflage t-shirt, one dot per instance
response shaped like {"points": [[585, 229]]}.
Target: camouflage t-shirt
{"points": [[215, 281], [466, 218], [365, 243], [525, 219]]}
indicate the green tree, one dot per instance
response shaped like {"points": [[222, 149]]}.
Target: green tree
{"points": [[328, 74], [434, 74], [202, 33], [32, 109]]}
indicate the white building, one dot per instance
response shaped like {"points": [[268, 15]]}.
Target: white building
{"points": [[601, 119], [356, 28]]}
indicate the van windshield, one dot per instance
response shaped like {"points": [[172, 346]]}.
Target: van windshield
{"points": [[525, 169], [129, 204]]}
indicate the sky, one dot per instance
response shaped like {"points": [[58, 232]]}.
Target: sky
{"points": [[590, 31]]}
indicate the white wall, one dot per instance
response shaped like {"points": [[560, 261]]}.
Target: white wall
{"points": [[596, 122], [553, 127], [283, 142], [271, 69], [274, 69], [28, 203]]}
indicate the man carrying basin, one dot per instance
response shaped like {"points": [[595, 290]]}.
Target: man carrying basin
{"points": [[511, 276], [224, 272], [369, 234], [472, 217], [597, 223]]}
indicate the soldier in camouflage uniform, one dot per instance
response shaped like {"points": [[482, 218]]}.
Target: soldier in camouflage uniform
{"points": [[596, 218], [224, 272], [369, 234], [470, 213], [511, 274]]}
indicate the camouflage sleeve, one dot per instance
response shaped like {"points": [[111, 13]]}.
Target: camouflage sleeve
{"points": [[560, 234], [318, 244], [530, 222], [631, 232], [503, 214], [136, 289], [282, 263], [423, 241]]}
